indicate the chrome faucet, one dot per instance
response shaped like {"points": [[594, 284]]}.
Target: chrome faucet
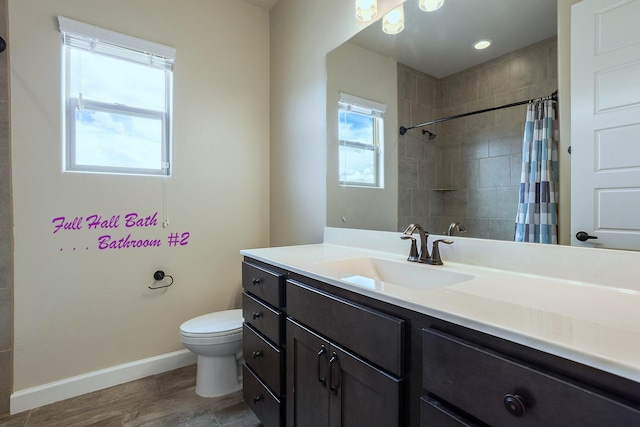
{"points": [[456, 225], [423, 256]]}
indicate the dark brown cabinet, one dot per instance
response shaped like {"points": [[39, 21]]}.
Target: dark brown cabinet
{"points": [[319, 355], [330, 386], [263, 342], [500, 390], [344, 361]]}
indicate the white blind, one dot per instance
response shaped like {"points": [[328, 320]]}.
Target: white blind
{"points": [[88, 37], [361, 105]]}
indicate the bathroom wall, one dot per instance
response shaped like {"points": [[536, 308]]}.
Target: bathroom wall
{"points": [[6, 245], [302, 33], [471, 171], [80, 309], [362, 207]]}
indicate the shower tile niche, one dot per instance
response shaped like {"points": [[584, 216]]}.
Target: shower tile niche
{"points": [[471, 171]]}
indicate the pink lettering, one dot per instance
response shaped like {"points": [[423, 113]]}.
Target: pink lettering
{"points": [[106, 242], [60, 223], [95, 222], [132, 220]]}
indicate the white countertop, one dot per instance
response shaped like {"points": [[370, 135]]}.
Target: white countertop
{"points": [[597, 324]]}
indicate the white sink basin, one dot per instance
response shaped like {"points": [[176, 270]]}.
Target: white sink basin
{"points": [[375, 272]]}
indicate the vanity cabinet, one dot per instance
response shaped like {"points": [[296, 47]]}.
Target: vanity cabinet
{"points": [[500, 390], [317, 354], [331, 376], [263, 342]]}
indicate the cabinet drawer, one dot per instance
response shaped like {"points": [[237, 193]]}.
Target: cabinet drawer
{"points": [[264, 358], [434, 413], [264, 404], [265, 284], [380, 341], [263, 318], [501, 391]]}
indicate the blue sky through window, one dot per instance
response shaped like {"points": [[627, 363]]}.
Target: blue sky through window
{"points": [[357, 163]]}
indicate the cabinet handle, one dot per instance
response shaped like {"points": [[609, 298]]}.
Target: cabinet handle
{"points": [[257, 354], [257, 399], [321, 379], [515, 404], [256, 315], [334, 362], [256, 281]]}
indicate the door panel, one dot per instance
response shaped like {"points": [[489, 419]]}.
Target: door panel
{"points": [[605, 120], [305, 368], [366, 396]]}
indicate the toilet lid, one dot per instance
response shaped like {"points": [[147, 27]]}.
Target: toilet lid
{"points": [[213, 324]]}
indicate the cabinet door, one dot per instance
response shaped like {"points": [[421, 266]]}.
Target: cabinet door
{"points": [[361, 394], [329, 386], [307, 378]]}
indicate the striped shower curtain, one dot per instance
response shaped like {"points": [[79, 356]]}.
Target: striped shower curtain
{"points": [[537, 217]]}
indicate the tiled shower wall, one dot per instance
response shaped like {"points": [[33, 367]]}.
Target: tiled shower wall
{"points": [[6, 233], [471, 171]]}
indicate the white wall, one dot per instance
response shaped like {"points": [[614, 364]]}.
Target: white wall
{"points": [[564, 96], [366, 74], [302, 33], [78, 311]]}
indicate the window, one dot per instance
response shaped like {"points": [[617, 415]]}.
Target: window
{"points": [[360, 135], [118, 96]]}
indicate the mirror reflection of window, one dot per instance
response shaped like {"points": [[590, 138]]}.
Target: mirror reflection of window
{"points": [[361, 142]]}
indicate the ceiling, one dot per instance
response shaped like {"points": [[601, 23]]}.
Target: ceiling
{"points": [[439, 43], [264, 4]]}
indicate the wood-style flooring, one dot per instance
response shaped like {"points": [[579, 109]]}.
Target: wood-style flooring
{"points": [[163, 400]]}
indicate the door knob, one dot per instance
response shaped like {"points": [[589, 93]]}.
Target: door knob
{"points": [[583, 236]]}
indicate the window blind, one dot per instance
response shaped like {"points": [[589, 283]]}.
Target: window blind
{"points": [[361, 105], [80, 35]]}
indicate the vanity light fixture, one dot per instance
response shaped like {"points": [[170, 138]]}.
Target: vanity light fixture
{"points": [[430, 5], [393, 22], [482, 44], [366, 10]]}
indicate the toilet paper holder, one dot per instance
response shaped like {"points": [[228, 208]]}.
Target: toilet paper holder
{"points": [[158, 276]]}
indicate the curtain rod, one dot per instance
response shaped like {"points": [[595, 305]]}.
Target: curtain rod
{"points": [[553, 97]]}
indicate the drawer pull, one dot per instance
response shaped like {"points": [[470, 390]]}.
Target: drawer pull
{"points": [[321, 378], [256, 315], [334, 387], [256, 281], [514, 404], [257, 354], [257, 399]]}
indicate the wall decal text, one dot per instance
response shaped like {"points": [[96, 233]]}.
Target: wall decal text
{"points": [[130, 221]]}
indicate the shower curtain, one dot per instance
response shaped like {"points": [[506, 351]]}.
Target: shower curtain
{"points": [[537, 217]]}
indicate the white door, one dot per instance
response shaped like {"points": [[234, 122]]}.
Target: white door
{"points": [[605, 123]]}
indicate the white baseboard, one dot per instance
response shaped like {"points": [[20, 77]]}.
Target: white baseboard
{"points": [[35, 397]]}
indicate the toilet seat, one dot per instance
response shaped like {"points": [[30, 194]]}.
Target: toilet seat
{"points": [[219, 324]]}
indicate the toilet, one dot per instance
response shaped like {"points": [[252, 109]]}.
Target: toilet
{"points": [[217, 340]]}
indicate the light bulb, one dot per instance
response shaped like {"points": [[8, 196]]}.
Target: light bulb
{"points": [[393, 22], [430, 5], [366, 10]]}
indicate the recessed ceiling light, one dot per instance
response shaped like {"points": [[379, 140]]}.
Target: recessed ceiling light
{"points": [[482, 44]]}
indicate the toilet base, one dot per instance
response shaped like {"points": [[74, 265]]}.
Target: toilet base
{"points": [[217, 376]]}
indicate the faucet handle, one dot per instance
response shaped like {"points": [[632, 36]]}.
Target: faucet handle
{"points": [[413, 253], [435, 251]]}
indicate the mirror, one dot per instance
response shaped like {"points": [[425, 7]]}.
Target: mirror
{"points": [[470, 172]]}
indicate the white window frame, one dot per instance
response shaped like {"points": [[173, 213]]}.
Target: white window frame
{"points": [[376, 111], [82, 36]]}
